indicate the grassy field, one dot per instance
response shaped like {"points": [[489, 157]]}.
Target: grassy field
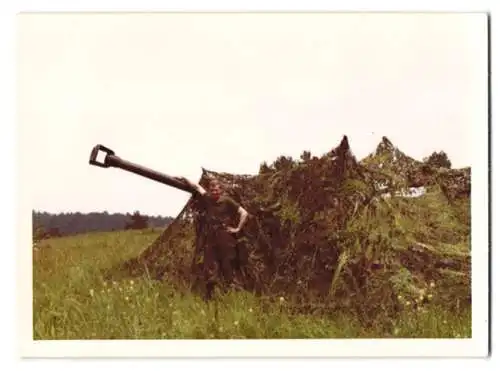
{"points": [[71, 300]]}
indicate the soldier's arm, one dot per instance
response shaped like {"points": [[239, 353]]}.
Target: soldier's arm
{"points": [[243, 218], [242, 213], [198, 188]]}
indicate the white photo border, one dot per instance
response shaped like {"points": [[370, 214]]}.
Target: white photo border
{"points": [[477, 346]]}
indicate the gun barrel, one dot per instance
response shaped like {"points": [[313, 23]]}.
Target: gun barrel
{"points": [[112, 160]]}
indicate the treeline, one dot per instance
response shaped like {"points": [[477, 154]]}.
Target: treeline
{"points": [[64, 224]]}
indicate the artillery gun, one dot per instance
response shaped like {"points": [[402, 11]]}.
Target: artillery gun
{"points": [[112, 160]]}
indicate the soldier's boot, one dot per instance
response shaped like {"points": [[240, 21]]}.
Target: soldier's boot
{"points": [[230, 283], [209, 291]]}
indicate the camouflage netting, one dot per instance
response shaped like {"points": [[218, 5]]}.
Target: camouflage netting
{"points": [[336, 232]]}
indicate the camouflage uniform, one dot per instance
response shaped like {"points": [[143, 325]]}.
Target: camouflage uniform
{"points": [[219, 250]]}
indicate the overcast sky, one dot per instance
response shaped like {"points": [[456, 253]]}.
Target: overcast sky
{"points": [[228, 91]]}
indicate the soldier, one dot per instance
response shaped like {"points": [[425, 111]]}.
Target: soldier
{"points": [[220, 241]]}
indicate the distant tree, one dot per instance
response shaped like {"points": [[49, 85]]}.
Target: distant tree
{"points": [[38, 234], [137, 221], [66, 224], [283, 163], [54, 232], [264, 168], [438, 160], [305, 156]]}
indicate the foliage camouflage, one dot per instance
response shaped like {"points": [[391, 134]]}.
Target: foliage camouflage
{"points": [[331, 232], [439, 159]]}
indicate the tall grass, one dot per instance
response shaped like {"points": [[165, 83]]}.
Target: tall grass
{"points": [[72, 300]]}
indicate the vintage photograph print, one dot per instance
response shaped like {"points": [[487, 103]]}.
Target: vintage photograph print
{"points": [[222, 176]]}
